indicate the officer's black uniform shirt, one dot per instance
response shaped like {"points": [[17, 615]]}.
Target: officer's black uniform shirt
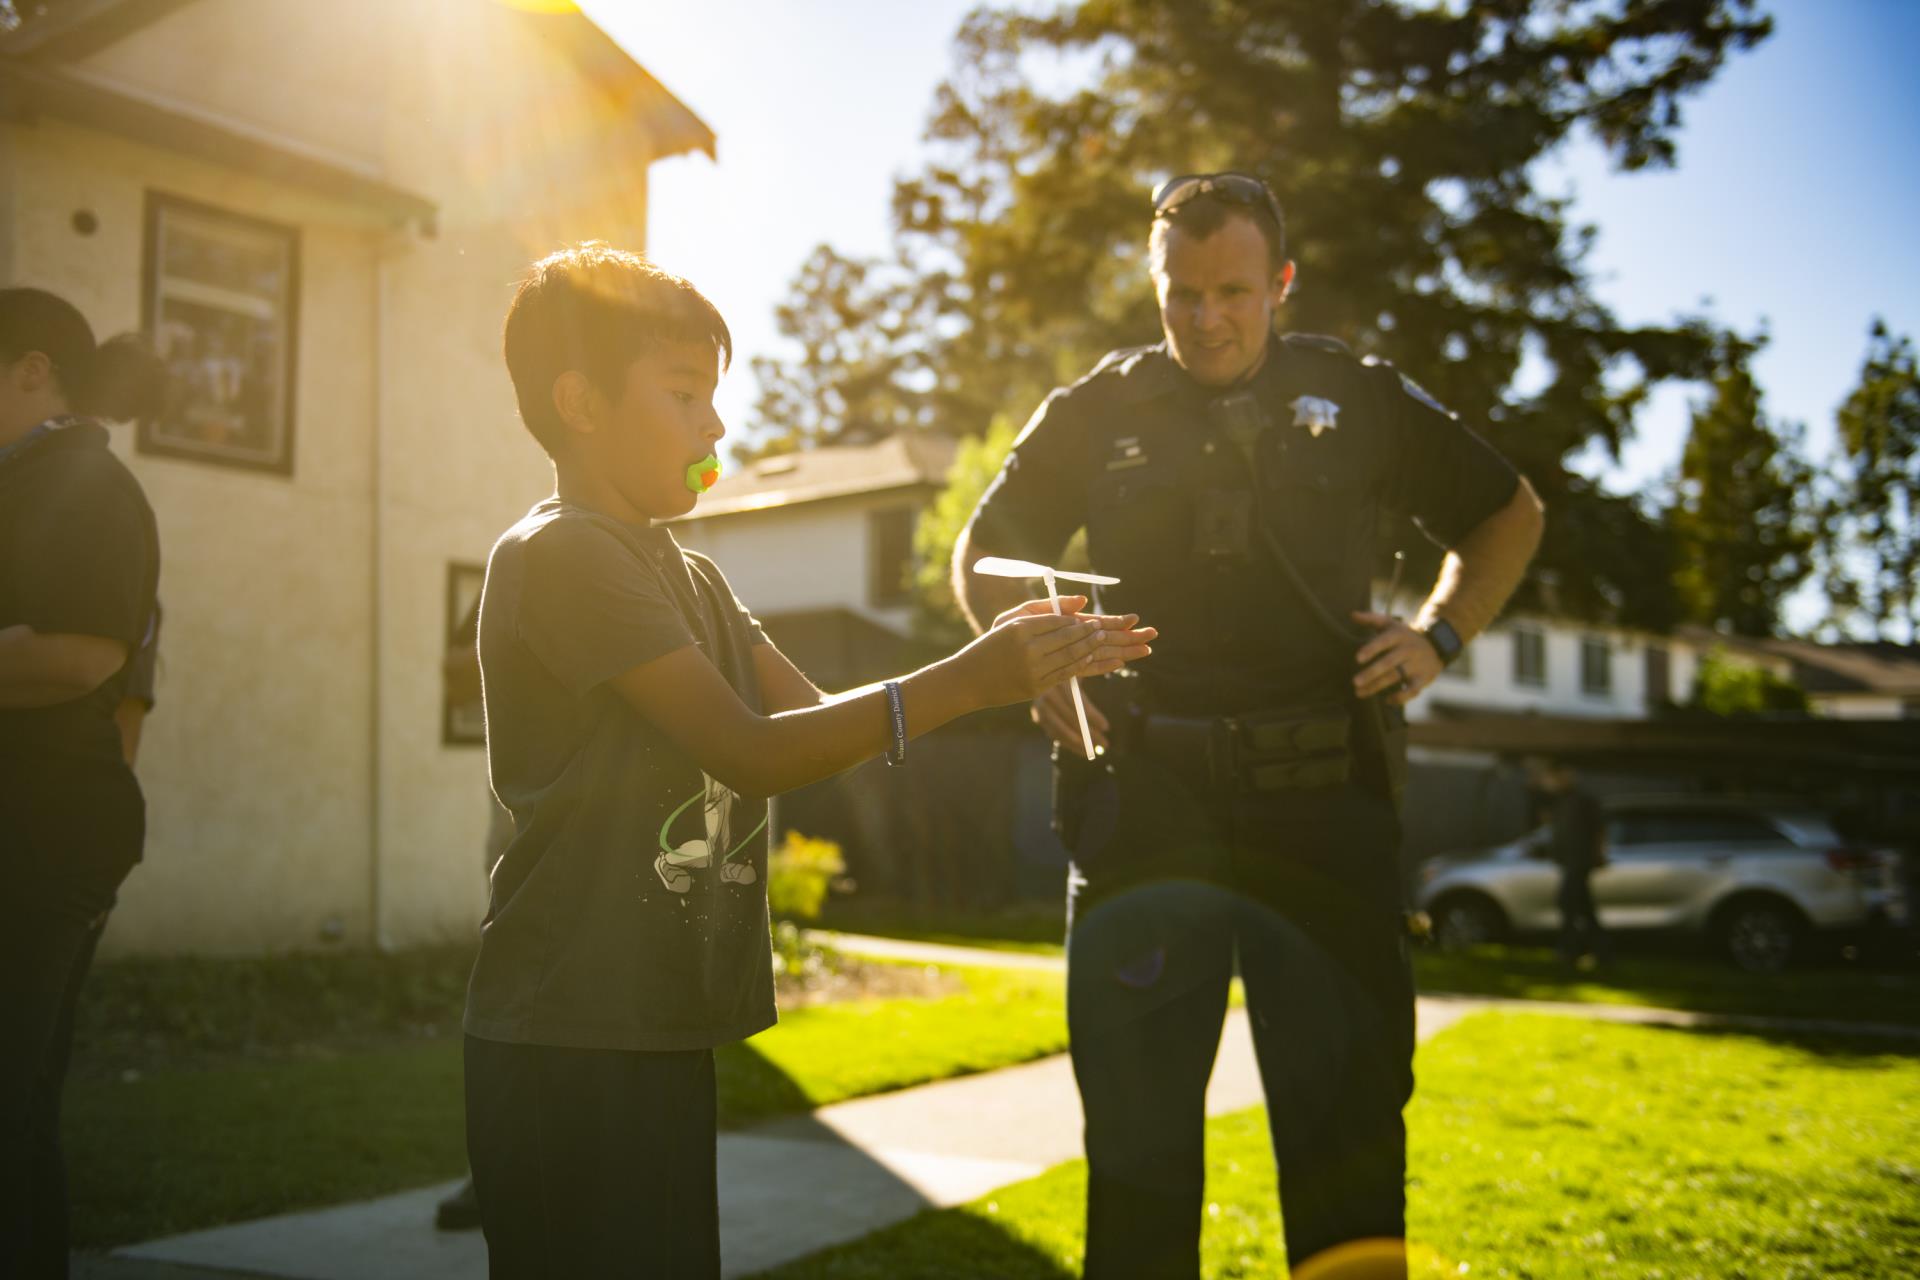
{"points": [[1132, 454], [79, 555]]}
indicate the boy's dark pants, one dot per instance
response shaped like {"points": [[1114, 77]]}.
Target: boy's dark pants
{"points": [[594, 1162], [1330, 1002]]}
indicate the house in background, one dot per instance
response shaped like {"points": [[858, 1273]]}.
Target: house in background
{"points": [[319, 212], [819, 545], [1540, 665]]}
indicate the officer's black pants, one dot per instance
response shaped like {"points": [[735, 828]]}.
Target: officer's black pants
{"points": [[1330, 1002]]}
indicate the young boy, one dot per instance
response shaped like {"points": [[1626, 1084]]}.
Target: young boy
{"points": [[636, 719]]}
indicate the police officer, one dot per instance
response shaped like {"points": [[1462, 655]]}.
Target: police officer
{"points": [[1243, 806]]}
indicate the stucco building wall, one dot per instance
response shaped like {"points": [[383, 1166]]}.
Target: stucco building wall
{"points": [[299, 793]]}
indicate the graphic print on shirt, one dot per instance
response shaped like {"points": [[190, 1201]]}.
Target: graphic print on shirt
{"points": [[678, 860]]}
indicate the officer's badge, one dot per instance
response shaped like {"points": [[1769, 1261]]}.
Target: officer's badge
{"points": [[1315, 414]]}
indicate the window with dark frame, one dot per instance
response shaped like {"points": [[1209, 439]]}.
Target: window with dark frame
{"points": [[463, 717], [221, 299], [1529, 657], [1596, 667], [890, 556], [1659, 675]]}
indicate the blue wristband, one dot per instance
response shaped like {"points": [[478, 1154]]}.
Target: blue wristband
{"points": [[897, 744]]}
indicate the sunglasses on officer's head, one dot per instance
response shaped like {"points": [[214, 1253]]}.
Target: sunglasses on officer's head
{"points": [[1234, 188]]}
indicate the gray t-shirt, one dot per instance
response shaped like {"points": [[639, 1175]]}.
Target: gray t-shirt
{"points": [[630, 909]]}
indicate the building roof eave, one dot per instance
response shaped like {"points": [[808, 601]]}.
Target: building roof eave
{"points": [[1737, 744], [669, 122], [81, 27], [787, 499], [28, 92]]}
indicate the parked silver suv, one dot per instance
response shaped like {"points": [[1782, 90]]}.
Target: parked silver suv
{"points": [[1755, 877]]}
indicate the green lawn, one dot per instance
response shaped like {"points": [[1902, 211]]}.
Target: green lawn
{"points": [[1543, 1147], [220, 1135], [1666, 977]]}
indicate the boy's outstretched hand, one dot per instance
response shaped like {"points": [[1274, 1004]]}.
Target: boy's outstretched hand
{"points": [[1030, 649]]}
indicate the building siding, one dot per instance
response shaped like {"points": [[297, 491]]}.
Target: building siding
{"points": [[299, 793]]}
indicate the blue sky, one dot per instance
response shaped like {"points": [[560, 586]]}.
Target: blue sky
{"points": [[1794, 201]]}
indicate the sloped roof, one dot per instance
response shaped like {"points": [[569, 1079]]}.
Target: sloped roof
{"points": [[66, 30], [1882, 668], [48, 34], [1786, 746], [904, 461]]}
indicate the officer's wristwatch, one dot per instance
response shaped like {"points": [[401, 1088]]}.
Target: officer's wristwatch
{"points": [[1445, 640]]}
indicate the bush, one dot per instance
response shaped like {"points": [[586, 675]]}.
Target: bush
{"points": [[1728, 688], [799, 874]]}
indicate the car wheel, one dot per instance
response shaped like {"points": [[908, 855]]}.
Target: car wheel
{"points": [[1761, 937], [1467, 922]]}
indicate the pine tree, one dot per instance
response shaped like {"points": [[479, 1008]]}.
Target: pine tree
{"points": [[1743, 538], [1870, 545], [1401, 140]]}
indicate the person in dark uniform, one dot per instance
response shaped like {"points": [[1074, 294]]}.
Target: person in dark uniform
{"points": [[1577, 844], [1242, 810], [79, 564]]}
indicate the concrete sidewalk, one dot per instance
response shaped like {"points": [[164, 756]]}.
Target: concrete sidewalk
{"points": [[786, 1188], [798, 1184]]}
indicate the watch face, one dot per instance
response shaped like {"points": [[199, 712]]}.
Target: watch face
{"points": [[1445, 640]]}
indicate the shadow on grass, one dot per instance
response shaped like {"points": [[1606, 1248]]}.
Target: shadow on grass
{"points": [[1834, 1049], [751, 1089], [941, 1244], [1675, 976]]}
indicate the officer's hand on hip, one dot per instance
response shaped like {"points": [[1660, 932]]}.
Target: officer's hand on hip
{"points": [[1398, 662]]}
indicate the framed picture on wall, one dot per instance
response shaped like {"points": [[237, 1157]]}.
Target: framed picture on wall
{"points": [[463, 721], [221, 300]]}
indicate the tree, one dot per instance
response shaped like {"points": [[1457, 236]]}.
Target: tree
{"points": [[854, 322], [974, 468], [1402, 142], [1725, 687], [1871, 537], [1742, 536]]}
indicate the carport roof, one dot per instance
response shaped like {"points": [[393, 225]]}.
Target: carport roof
{"points": [[1804, 745]]}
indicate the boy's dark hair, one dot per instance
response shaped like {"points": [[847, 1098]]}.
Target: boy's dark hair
{"points": [[594, 308], [117, 379]]}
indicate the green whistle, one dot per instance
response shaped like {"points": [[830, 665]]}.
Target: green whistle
{"points": [[702, 474]]}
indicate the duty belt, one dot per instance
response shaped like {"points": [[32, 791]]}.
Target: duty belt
{"points": [[1287, 750]]}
